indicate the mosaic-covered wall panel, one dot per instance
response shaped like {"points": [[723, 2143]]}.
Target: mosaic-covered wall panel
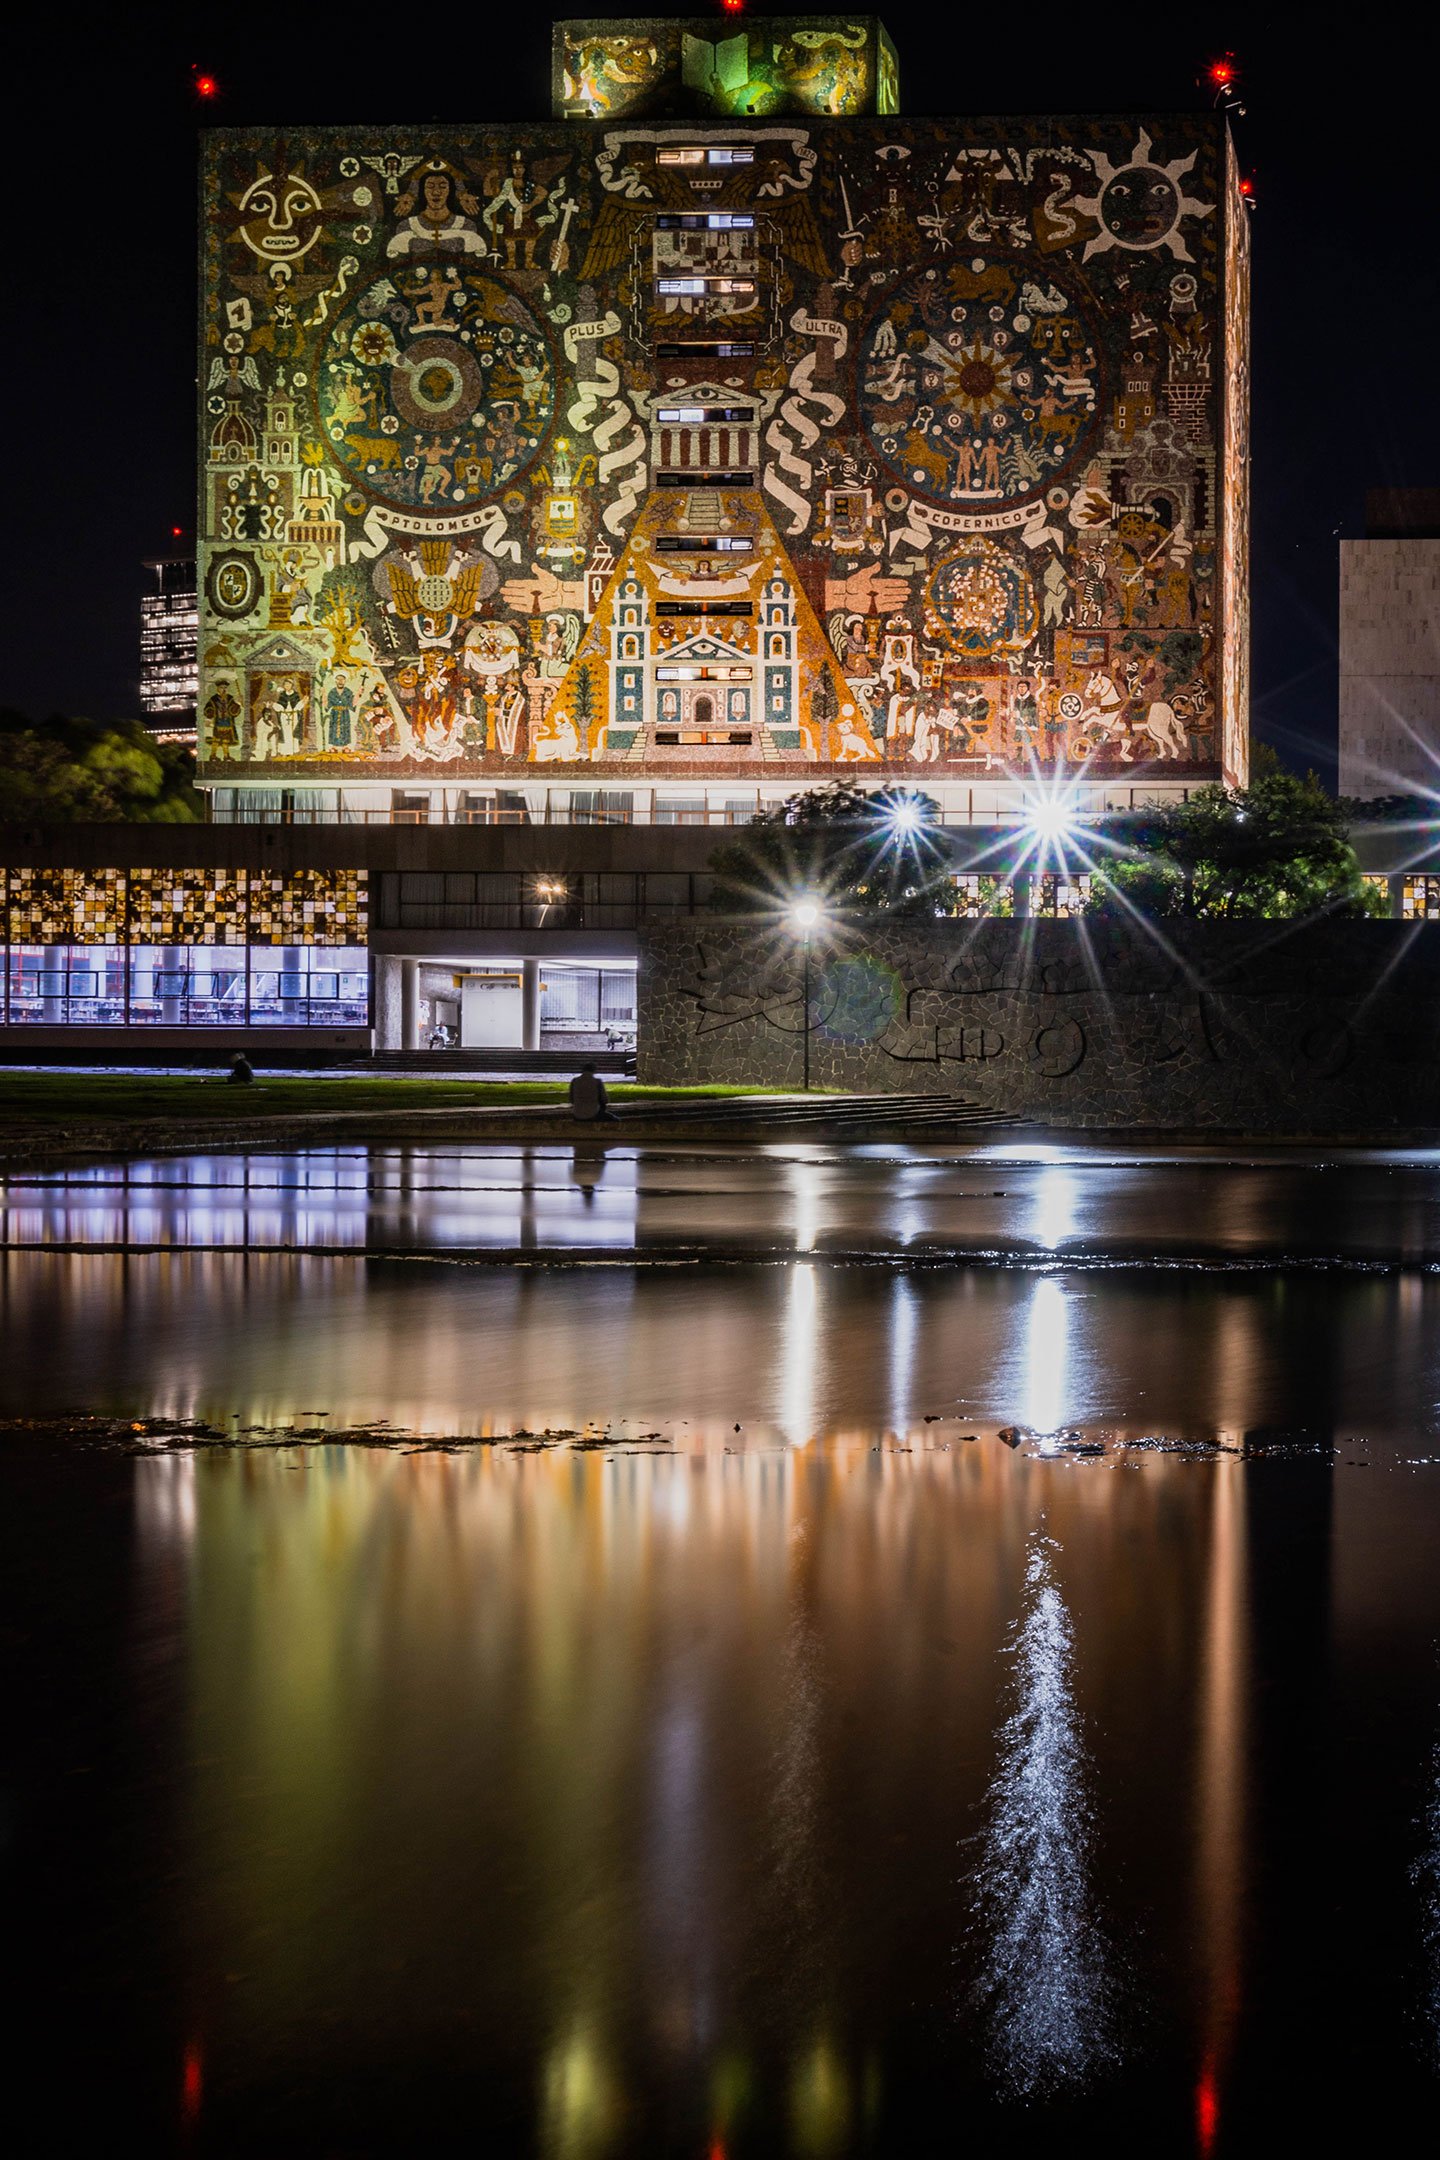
{"points": [[187, 907], [309, 907], [65, 907], [766, 448]]}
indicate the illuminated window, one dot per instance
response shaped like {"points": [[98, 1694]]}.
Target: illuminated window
{"points": [[701, 286], [703, 674], [704, 415], [702, 544], [705, 154]]}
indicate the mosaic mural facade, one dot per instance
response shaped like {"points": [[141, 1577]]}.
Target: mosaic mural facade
{"points": [[775, 445]]}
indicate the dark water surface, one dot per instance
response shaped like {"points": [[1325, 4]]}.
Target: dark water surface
{"points": [[964, 1700]]}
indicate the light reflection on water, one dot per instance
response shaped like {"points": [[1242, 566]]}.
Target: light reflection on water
{"points": [[612, 1798], [1045, 1970], [801, 1199]]}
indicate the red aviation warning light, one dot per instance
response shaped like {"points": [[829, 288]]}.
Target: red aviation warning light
{"points": [[205, 85], [732, 7], [1223, 77]]}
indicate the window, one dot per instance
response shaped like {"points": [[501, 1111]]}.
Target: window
{"points": [[186, 986], [699, 476], [704, 220], [701, 287], [701, 544], [703, 607], [705, 154], [706, 349], [703, 674], [704, 415]]}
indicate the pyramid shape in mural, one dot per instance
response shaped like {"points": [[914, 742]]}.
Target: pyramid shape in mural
{"points": [[704, 649]]}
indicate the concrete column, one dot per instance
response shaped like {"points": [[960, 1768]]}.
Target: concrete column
{"points": [[529, 1004], [410, 1004], [389, 1022], [1020, 885]]}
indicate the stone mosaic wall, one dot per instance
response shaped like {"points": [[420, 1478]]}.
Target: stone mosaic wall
{"points": [[750, 446], [1260, 1027]]}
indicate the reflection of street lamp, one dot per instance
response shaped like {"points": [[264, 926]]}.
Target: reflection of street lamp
{"points": [[803, 917]]}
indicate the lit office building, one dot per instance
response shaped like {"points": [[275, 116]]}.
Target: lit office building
{"points": [[169, 630]]}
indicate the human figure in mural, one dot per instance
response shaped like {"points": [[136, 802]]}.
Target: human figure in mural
{"points": [[437, 224], [1025, 715], [290, 704], [434, 458], [521, 196], [339, 714], [1056, 588], [222, 720], [265, 731]]}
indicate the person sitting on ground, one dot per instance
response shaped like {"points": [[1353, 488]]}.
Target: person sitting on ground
{"points": [[588, 1099], [241, 1072]]}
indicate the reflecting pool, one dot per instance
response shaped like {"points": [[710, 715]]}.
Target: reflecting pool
{"points": [[806, 1705]]}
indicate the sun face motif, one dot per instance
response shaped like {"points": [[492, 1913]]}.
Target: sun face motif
{"points": [[1139, 205], [978, 381]]}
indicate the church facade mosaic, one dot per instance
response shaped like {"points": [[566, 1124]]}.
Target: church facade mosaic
{"points": [[724, 425]]}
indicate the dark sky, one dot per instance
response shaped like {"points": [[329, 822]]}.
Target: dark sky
{"points": [[97, 352]]}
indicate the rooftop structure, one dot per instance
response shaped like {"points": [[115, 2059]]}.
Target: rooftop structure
{"points": [[724, 434]]}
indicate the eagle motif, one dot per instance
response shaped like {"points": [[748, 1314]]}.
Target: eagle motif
{"points": [[436, 587]]}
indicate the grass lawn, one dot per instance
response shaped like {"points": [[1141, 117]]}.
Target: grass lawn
{"points": [[31, 1099]]}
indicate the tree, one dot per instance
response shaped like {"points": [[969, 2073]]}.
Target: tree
{"points": [[856, 852], [63, 771], [1278, 847]]}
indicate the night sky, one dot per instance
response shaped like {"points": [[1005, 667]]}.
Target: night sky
{"points": [[1340, 138]]}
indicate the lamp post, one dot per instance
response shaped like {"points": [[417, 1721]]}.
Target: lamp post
{"points": [[805, 915]]}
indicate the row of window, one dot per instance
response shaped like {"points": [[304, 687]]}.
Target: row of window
{"points": [[185, 986]]}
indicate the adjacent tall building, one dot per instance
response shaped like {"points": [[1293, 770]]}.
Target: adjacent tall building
{"points": [[1390, 647], [726, 434], [169, 629]]}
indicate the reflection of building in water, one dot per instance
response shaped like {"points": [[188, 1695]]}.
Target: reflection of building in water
{"points": [[600, 1689]]}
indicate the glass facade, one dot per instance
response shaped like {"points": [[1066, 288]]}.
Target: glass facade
{"points": [[187, 986], [185, 948]]}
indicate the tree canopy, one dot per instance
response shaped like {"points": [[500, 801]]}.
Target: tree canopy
{"points": [[1278, 847], [850, 850], [70, 771]]}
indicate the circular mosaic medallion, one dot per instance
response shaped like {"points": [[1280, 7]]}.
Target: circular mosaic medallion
{"points": [[436, 388], [973, 402], [980, 602], [233, 585]]}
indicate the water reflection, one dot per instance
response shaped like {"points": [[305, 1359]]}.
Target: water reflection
{"points": [[610, 1795], [1047, 1378], [1427, 1881], [803, 1199], [1046, 1973]]}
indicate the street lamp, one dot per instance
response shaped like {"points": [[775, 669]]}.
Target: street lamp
{"points": [[803, 917]]}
